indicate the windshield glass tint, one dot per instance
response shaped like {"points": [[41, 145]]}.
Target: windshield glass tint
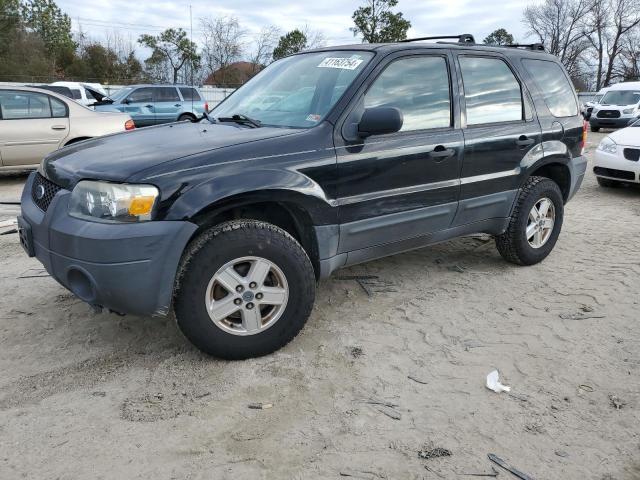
{"points": [[296, 91], [621, 97]]}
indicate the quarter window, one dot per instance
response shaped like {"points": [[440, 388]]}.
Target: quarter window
{"points": [[22, 105], [190, 94], [58, 108], [555, 87], [419, 88], [491, 91]]}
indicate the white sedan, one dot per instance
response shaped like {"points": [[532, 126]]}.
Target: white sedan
{"points": [[35, 122], [617, 158]]}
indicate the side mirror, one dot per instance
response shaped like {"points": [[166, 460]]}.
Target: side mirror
{"points": [[380, 120], [126, 101]]}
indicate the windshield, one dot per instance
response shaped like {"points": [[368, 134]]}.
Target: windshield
{"points": [[621, 97], [296, 91], [120, 94]]}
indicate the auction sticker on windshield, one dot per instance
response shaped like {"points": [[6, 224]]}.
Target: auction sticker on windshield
{"points": [[342, 63]]}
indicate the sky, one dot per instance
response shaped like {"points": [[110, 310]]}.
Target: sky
{"points": [[331, 17]]}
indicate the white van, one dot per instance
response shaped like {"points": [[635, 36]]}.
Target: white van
{"points": [[617, 107], [595, 100]]}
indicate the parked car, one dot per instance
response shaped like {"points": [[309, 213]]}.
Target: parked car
{"points": [[231, 220], [617, 107], [87, 94], [617, 158], [155, 104], [35, 122]]}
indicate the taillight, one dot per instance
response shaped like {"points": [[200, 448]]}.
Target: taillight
{"points": [[129, 125], [206, 107], [583, 140]]}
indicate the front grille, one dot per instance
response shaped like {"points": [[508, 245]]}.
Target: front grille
{"points": [[613, 173], [632, 154], [43, 192], [608, 114]]}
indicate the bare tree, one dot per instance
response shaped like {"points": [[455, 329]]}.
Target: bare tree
{"points": [[625, 19], [223, 43], [559, 25], [264, 43]]}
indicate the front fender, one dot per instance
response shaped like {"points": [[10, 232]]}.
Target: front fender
{"points": [[263, 185]]}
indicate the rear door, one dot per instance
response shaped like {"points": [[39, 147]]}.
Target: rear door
{"points": [[501, 135], [32, 125], [168, 104], [402, 185], [139, 105]]}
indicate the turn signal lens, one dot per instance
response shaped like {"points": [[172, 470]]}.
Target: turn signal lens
{"points": [[583, 140], [129, 125], [141, 205]]}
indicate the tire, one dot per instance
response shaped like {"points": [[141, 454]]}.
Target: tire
{"points": [[513, 244], [185, 117], [595, 129], [227, 246], [607, 183]]}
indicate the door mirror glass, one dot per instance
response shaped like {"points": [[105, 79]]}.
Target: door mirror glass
{"points": [[380, 120]]}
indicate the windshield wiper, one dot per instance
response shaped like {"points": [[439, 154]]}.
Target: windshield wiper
{"points": [[241, 119]]}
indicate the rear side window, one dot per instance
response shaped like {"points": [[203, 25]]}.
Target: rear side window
{"points": [[491, 91], [166, 94], [190, 94], [554, 86], [419, 88], [23, 105], [77, 94]]}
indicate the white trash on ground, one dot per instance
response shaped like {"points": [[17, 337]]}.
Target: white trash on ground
{"points": [[493, 383]]}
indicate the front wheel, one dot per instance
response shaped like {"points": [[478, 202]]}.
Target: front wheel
{"points": [[245, 289], [535, 224]]}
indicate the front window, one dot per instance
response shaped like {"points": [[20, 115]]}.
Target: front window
{"points": [[297, 91], [120, 94], [621, 97]]}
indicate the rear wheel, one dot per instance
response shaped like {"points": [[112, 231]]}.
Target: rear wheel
{"points": [[595, 129], [185, 117], [245, 289], [608, 183], [535, 224]]}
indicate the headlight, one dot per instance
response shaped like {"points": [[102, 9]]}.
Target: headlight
{"points": [[628, 111], [112, 202], [608, 145]]}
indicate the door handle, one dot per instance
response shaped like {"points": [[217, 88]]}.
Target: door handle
{"points": [[524, 141], [148, 106], [58, 127], [178, 105], [442, 152]]}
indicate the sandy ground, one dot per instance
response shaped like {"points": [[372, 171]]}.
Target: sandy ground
{"points": [[371, 381]]}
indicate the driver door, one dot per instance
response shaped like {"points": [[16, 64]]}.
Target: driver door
{"points": [[402, 185]]}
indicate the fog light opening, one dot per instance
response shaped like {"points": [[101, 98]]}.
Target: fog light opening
{"points": [[81, 285]]}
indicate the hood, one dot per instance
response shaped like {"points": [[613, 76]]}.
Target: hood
{"points": [[118, 157], [627, 137]]}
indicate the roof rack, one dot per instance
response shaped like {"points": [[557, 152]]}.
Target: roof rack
{"points": [[464, 38], [530, 46]]}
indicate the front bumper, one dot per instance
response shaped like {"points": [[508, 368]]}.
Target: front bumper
{"points": [[621, 122], [128, 268], [577, 169], [615, 166]]}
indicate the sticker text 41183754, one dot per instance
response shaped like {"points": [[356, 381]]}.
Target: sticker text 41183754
{"points": [[342, 63]]}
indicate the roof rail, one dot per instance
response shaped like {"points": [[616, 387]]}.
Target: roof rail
{"points": [[530, 46], [464, 38]]}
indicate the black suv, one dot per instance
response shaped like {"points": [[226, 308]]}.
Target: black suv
{"points": [[325, 159]]}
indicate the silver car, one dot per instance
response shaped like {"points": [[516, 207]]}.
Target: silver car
{"points": [[35, 122]]}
